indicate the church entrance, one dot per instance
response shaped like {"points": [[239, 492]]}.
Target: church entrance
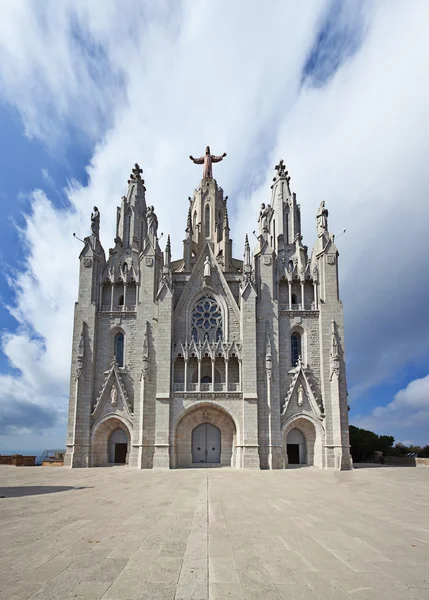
{"points": [[120, 453], [206, 444], [293, 454], [295, 447], [118, 443]]}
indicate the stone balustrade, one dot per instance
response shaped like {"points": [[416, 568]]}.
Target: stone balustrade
{"points": [[207, 387], [118, 308]]}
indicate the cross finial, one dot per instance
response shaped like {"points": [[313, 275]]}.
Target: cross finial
{"points": [[281, 170], [137, 171]]}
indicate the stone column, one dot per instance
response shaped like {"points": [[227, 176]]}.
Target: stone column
{"points": [[213, 374], [186, 374]]}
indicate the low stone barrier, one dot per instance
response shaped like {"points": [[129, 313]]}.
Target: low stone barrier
{"points": [[406, 461], [18, 460]]}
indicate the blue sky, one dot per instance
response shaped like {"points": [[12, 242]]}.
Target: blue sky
{"points": [[336, 89]]}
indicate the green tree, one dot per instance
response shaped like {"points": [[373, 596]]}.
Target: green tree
{"points": [[364, 443]]}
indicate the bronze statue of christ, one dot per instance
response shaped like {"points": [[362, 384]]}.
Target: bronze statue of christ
{"points": [[207, 161]]}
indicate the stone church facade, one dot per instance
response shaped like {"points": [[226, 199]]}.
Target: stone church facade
{"points": [[209, 360]]}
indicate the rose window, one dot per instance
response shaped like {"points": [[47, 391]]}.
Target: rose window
{"points": [[207, 320]]}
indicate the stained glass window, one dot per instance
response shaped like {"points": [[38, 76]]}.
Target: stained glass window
{"points": [[119, 349], [207, 319], [295, 348]]}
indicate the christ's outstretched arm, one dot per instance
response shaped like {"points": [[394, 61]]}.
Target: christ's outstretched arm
{"points": [[197, 161], [216, 159]]}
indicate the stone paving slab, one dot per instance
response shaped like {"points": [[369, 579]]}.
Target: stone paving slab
{"points": [[212, 534]]}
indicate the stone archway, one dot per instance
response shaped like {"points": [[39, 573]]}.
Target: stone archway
{"points": [[311, 453], [192, 419], [103, 437]]}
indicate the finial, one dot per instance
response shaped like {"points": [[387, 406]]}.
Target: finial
{"points": [[189, 222], [168, 245], [136, 174], [225, 218], [281, 171]]}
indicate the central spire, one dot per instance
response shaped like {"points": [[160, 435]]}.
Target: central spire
{"points": [[207, 161]]}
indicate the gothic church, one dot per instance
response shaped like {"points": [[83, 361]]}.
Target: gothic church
{"points": [[209, 360]]}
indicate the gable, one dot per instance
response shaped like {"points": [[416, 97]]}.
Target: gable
{"points": [[113, 396], [199, 285]]}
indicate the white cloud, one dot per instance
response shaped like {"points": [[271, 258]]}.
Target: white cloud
{"points": [[156, 83], [408, 412]]}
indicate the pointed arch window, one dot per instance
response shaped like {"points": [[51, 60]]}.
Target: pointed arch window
{"points": [[128, 231], [295, 348], [207, 220], [294, 299], [119, 349]]}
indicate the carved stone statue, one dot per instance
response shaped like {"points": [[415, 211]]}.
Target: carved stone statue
{"points": [[113, 395], [263, 218], [300, 395], [207, 161], [95, 222], [335, 358], [207, 265], [152, 221], [322, 219]]}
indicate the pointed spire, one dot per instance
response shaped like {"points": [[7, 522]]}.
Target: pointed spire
{"points": [[225, 217], [167, 253], [246, 251], [189, 230]]}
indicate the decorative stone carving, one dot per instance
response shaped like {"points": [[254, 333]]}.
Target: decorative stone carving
{"points": [[300, 395], [322, 219], [145, 353], [263, 218], [87, 262], [207, 265], [95, 222], [207, 161], [335, 359], [331, 259], [113, 395], [81, 352], [268, 353], [206, 417], [152, 221]]}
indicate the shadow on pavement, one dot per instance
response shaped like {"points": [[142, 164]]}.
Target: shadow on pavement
{"points": [[36, 490], [369, 466]]}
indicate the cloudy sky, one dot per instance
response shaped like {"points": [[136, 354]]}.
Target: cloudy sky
{"points": [[340, 90]]}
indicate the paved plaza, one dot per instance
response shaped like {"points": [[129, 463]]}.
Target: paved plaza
{"points": [[299, 534]]}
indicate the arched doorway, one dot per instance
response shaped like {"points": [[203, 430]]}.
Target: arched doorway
{"points": [[218, 432], [303, 442], [110, 442], [295, 447], [206, 444], [118, 447]]}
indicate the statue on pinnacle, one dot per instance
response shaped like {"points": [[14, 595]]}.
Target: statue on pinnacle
{"points": [[207, 161]]}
